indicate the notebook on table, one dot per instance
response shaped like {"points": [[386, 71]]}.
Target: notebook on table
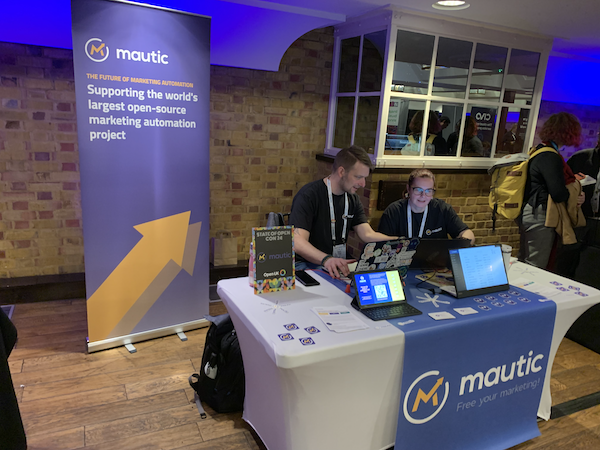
{"points": [[477, 271], [434, 253], [380, 295]]}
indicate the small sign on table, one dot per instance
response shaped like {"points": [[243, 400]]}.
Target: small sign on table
{"points": [[273, 252]]}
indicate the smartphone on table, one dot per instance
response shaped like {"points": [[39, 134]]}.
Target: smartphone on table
{"points": [[306, 279]]}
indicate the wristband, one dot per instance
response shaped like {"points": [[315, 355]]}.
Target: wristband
{"points": [[325, 259]]}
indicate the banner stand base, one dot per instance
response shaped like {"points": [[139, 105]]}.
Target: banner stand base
{"points": [[146, 335]]}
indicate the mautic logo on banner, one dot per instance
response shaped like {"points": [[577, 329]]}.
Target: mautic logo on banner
{"points": [[97, 51], [142, 84]]}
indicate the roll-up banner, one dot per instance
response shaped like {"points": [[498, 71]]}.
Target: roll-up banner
{"points": [[142, 87]]}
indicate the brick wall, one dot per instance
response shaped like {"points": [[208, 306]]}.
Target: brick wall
{"points": [[266, 128], [40, 230]]}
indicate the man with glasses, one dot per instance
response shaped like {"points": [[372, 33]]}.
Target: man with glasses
{"points": [[421, 215]]}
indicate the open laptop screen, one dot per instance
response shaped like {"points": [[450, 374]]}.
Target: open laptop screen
{"points": [[478, 270], [378, 288]]}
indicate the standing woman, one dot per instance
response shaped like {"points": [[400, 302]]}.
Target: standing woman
{"points": [[546, 174]]}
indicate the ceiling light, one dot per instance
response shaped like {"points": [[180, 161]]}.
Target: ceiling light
{"points": [[451, 5]]}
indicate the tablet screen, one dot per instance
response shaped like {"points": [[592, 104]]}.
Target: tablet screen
{"points": [[478, 270], [378, 288]]}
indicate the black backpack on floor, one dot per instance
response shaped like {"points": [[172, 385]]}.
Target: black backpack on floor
{"points": [[220, 382]]}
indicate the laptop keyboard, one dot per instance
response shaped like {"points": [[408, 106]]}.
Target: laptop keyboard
{"points": [[391, 312]]}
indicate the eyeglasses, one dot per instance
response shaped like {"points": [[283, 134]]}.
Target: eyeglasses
{"points": [[427, 192]]}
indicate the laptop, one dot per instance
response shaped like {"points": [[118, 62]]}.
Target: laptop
{"points": [[396, 254], [380, 295], [433, 254], [477, 270]]}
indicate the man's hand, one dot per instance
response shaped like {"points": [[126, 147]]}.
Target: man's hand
{"points": [[335, 266], [581, 199]]}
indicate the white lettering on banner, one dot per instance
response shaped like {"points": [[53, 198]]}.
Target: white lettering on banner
{"points": [[115, 92], [135, 55], [483, 116], [107, 135], [495, 375]]}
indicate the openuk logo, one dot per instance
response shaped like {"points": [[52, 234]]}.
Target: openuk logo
{"points": [[421, 401], [96, 50]]}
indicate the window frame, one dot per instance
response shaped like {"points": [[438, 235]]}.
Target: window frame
{"points": [[392, 20]]}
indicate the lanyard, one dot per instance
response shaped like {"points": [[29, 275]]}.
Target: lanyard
{"points": [[332, 213], [409, 218]]}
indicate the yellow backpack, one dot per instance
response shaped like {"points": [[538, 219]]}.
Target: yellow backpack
{"points": [[509, 176]]}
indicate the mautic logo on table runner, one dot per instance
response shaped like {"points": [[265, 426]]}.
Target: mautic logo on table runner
{"points": [[426, 404], [422, 400], [98, 51]]}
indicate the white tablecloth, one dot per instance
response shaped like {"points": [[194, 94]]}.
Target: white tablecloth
{"points": [[343, 392]]}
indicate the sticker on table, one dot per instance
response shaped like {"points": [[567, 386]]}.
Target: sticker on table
{"points": [[286, 337], [291, 326], [498, 304], [510, 302], [556, 283], [312, 330], [582, 294], [524, 299], [503, 295], [484, 308], [465, 311], [563, 289], [479, 300], [443, 315], [307, 341], [406, 322], [515, 293], [574, 288], [490, 297]]}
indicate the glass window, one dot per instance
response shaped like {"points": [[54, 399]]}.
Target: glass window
{"points": [[366, 123], [478, 131], [371, 72], [511, 131], [452, 68], [488, 71], [520, 78], [349, 64], [445, 118], [412, 62], [343, 122], [400, 137]]}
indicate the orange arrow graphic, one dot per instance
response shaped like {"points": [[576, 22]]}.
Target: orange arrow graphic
{"points": [[163, 240]]}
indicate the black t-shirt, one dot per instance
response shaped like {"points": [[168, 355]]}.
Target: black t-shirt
{"points": [[442, 220], [310, 211]]}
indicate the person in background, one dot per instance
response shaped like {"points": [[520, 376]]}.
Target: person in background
{"points": [[584, 162], [435, 144], [546, 178], [421, 215], [444, 123], [324, 211], [472, 145], [12, 433]]}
